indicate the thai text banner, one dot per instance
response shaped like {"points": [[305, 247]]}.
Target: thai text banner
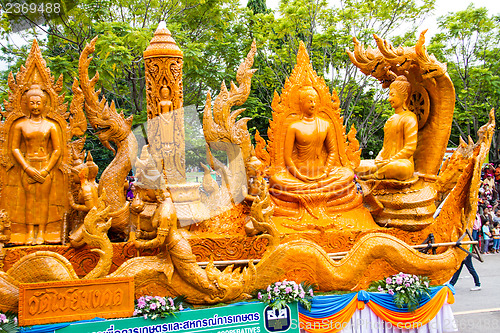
{"points": [[246, 318]]}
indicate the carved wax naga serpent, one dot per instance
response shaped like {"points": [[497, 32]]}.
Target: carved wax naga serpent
{"points": [[110, 126]]}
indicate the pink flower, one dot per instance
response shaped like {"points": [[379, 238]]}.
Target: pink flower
{"points": [[302, 294], [148, 298], [3, 318], [276, 289], [162, 301], [153, 306], [407, 285], [391, 292], [259, 295], [141, 303], [145, 316], [311, 292], [426, 284], [288, 290], [268, 296], [388, 280], [399, 280], [278, 283], [380, 289], [135, 313], [171, 301], [181, 307]]}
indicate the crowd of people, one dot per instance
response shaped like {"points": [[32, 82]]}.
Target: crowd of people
{"points": [[486, 227]]}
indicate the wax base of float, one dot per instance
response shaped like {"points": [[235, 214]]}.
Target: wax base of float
{"points": [[354, 312], [266, 240]]}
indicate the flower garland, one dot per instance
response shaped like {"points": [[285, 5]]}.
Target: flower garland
{"points": [[278, 294], [157, 306], [406, 289]]}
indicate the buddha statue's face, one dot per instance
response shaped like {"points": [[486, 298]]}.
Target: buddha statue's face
{"points": [[308, 101], [396, 97], [35, 105], [165, 93]]}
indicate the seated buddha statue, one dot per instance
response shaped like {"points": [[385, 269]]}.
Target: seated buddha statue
{"points": [[313, 176], [395, 160]]}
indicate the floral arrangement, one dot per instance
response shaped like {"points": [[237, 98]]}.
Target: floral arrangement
{"points": [[278, 294], [407, 289], [8, 322], [157, 306]]}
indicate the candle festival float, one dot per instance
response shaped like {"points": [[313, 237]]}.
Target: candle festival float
{"points": [[288, 208]]}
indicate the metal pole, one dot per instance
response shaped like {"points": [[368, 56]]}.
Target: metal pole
{"points": [[334, 256]]}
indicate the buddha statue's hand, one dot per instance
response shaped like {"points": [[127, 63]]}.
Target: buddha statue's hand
{"points": [[35, 175], [381, 163], [44, 173], [317, 178]]}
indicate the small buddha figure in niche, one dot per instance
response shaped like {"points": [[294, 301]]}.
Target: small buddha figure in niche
{"points": [[166, 113], [395, 160], [165, 104], [41, 151]]}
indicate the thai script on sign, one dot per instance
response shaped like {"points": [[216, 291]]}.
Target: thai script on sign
{"points": [[73, 299], [60, 301], [189, 325]]}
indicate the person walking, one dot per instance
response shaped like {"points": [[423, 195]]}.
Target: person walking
{"points": [[468, 263]]}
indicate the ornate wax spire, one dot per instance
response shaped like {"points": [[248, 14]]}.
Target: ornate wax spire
{"points": [[163, 61], [162, 44]]}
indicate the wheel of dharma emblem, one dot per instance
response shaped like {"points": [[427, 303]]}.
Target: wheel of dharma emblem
{"points": [[419, 104]]}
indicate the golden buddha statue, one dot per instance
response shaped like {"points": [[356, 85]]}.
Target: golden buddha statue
{"points": [[42, 149], [309, 152], [395, 160], [312, 176], [310, 137], [310, 157]]}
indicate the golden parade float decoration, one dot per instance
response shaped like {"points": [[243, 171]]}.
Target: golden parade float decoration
{"points": [[308, 223]]}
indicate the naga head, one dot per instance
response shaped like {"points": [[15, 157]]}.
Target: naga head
{"points": [[110, 125], [231, 284], [105, 120]]}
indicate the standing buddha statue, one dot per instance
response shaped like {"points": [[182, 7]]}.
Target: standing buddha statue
{"points": [[41, 154]]}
